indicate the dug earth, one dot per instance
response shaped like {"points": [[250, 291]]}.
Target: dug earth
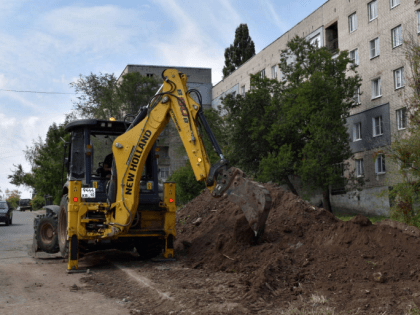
{"points": [[307, 262]]}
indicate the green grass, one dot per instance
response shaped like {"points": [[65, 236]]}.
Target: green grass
{"points": [[348, 217]]}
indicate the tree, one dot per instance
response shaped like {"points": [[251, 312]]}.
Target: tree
{"points": [[296, 126], [248, 118], [13, 197], [316, 100], [405, 150], [243, 49], [46, 159], [102, 97]]}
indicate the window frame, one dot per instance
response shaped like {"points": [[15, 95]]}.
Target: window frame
{"points": [[357, 94], [395, 5], [380, 167], [243, 90], [380, 125], [164, 170], [375, 41], [352, 22], [262, 74], [357, 131], [379, 88], [418, 21], [355, 60], [401, 77], [395, 36], [359, 168], [316, 41], [374, 2], [401, 116], [274, 72]]}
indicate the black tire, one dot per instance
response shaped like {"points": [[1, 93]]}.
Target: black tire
{"points": [[11, 220], [7, 222], [63, 243], [46, 234]]}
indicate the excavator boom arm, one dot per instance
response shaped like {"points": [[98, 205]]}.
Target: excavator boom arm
{"points": [[131, 149]]}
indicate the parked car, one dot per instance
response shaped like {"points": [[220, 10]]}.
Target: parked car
{"points": [[25, 204], [6, 212]]}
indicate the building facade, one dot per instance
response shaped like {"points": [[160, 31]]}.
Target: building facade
{"points": [[171, 153], [373, 32]]}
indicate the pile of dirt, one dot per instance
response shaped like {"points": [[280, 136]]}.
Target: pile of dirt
{"points": [[305, 251]]}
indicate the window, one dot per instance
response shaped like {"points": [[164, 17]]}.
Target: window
{"points": [[418, 21], [357, 131], [243, 90], [359, 168], [396, 36], [149, 75], [373, 12], [164, 172], [402, 118], [378, 127], [354, 56], [394, 3], [376, 88], [352, 22], [399, 81], [316, 41], [262, 74], [356, 98], [374, 47], [274, 72], [380, 164]]}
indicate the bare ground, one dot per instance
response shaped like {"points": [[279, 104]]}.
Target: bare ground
{"points": [[308, 262]]}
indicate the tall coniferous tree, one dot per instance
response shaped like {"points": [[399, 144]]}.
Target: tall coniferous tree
{"points": [[243, 49]]}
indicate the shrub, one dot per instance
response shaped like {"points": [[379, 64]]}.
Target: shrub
{"points": [[38, 202], [187, 187]]}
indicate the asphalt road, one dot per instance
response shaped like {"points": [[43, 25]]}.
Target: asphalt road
{"points": [[41, 285], [15, 239]]}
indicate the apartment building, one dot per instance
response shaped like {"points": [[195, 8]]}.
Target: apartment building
{"points": [[171, 155], [373, 33]]}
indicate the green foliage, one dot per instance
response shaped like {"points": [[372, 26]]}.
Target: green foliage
{"points": [[101, 97], [46, 158], [218, 127], [296, 126], [13, 197], [405, 150], [187, 187], [315, 103], [243, 48], [247, 118], [38, 202]]}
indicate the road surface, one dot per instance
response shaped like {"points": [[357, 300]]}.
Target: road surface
{"points": [[42, 286]]}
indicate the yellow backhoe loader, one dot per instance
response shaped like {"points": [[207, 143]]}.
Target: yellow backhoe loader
{"points": [[120, 204]]}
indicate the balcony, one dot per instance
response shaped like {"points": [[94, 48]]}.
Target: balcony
{"points": [[331, 35]]}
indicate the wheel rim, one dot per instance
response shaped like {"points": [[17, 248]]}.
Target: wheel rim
{"points": [[46, 233]]}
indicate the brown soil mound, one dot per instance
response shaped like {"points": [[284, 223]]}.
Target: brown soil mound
{"points": [[305, 251]]}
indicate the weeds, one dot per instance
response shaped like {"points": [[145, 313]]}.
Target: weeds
{"points": [[413, 310]]}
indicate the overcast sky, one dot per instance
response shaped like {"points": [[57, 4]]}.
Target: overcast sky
{"points": [[45, 45]]}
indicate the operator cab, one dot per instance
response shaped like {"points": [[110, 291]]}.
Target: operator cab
{"points": [[90, 159]]}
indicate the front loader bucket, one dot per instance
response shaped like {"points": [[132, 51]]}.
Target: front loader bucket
{"points": [[253, 199]]}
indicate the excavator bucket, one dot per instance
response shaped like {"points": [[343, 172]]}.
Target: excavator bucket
{"points": [[253, 199]]}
